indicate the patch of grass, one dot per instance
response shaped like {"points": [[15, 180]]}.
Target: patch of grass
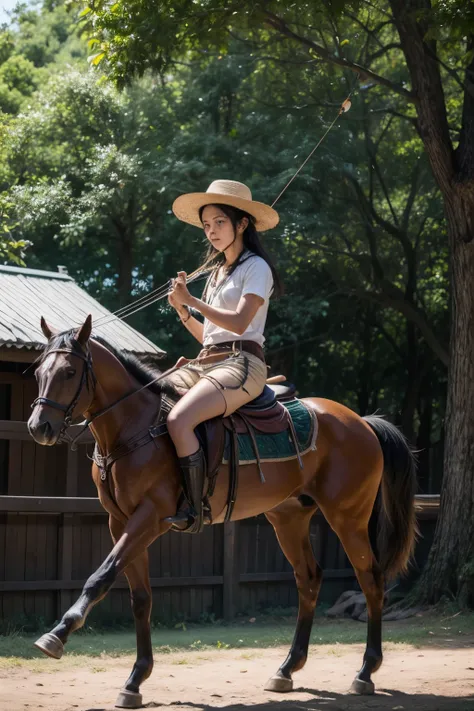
{"points": [[426, 630]]}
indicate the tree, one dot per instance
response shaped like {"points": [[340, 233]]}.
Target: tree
{"points": [[82, 155], [436, 42], [12, 249], [88, 173], [32, 48]]}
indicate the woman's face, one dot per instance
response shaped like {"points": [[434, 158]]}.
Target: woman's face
{"points": [[218, 227]]}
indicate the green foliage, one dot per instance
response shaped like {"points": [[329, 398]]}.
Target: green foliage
{"points": [[90, 174], [36, 45]]}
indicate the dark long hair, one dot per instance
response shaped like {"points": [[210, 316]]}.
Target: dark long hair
{"points": [[215, 259]]}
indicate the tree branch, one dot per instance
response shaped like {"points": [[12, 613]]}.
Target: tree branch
{"points": [[278, 24], [411, 198], [383, 50], [466, 86], [412, 313], [390, 339], [398, 114], [372, 33]]}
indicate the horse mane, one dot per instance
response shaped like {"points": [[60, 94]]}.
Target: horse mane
{"points": [[142, 367]]}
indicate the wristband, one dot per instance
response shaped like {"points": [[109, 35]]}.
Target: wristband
{"points": [[188, 317]]}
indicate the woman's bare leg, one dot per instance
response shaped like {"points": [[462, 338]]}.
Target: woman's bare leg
{"points": [[201, 403]]}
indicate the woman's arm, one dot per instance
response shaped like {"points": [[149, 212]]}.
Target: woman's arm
{"points": [[195, 327], [235, 321]]}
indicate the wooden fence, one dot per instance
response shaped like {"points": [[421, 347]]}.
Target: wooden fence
{"points": [[49, 545]]}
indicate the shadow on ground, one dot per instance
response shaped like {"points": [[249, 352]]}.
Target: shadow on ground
{"points": [[384, 699]]}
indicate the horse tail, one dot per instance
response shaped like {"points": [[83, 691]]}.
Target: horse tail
{"points": [[397, 528]]}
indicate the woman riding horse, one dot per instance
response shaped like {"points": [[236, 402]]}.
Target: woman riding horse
{"points": [[230, 370], [362, 469]]}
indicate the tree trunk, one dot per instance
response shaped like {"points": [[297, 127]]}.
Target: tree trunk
{"points": [[406, 418], [423, 441], [450, 567], [366, 369]]}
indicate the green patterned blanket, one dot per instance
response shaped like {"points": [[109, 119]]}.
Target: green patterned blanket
{"points": [[279, 447]]}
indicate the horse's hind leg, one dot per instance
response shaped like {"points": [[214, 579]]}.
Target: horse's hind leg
{"points": [[291, 523], [355, 540]]}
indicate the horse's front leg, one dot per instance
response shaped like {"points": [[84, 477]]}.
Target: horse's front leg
{"points": [[141, 529], [141, 598]]}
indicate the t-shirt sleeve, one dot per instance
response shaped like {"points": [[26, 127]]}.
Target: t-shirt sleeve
{"points": [[258, 278]]}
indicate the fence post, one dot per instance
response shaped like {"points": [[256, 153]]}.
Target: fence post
{"points": [[230, 593], [64, 599]]}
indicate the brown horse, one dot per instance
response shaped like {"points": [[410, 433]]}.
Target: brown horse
{"points": [[354, 458]]}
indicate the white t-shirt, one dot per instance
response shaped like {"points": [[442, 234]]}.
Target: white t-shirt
{"points": [[253, 276]]}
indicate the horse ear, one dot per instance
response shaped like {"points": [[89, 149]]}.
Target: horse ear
{"points": [[84, 332], [47, 330]]}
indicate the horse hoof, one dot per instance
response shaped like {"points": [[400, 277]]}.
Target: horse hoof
{"points": [[362, 688], [129, 700], [50, 645], [279, 683]]}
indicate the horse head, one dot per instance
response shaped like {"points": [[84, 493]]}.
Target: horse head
{"points": [[65, 382]]}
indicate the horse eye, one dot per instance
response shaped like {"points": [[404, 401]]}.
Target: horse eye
{"points": [[70, 373]]}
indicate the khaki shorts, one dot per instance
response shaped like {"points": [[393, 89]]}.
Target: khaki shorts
{"points": [[240, 378]]}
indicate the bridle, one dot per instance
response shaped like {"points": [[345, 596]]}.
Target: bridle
{"points": [[86, 376], [87, 373]]}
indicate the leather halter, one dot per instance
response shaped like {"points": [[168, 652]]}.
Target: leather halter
{"points": [[88, 370], [69, 409]]}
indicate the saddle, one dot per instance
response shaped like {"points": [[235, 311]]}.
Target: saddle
{"points": [[265, 414]]}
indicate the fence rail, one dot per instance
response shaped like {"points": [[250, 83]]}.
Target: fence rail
{"points": [[229, 582], [50, 544], [427, 505]]}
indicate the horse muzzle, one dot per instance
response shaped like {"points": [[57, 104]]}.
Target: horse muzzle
{"points": [[43, 431]]}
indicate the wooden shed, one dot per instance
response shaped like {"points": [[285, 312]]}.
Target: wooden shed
{"points": [[53, 532]]}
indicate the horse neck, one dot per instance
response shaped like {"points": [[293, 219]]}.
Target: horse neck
{"points": [[113, 381]]}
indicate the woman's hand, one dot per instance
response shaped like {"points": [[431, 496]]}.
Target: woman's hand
{"points": [[179, 294], [172, 302]]}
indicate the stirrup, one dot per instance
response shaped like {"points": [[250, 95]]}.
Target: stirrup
{"points": [[183, 520]]}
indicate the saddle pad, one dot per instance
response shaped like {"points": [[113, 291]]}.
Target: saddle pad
{"points": [[279, 447]]}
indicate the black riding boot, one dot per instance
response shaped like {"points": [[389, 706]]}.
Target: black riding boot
{"points": [[195, 484]]}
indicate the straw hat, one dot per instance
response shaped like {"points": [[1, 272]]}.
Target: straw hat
{"points": [[225, 192]]}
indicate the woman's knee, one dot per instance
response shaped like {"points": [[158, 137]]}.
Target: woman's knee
{"points": [[175, 422], [180, 421]]}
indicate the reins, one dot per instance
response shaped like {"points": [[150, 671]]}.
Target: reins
{"points": [[69, 409], [162, 292], [96, 415], [141, 303]]}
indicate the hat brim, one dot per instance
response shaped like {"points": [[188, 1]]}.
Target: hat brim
{"points": [[186, 208]]}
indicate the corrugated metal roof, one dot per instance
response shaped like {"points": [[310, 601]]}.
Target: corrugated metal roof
{"points": [[28, 294]]}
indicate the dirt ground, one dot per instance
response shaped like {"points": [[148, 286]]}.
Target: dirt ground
{"points": [[423, 679]]}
